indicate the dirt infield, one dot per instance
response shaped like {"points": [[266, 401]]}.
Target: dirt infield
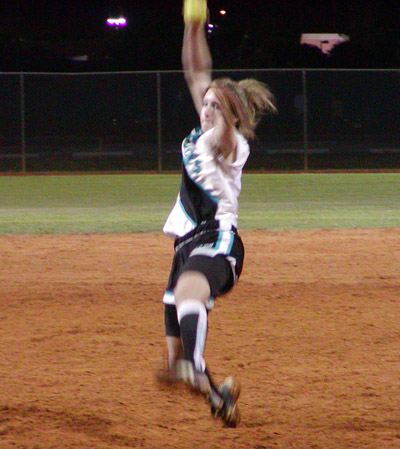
{"points": [[311, 331]]}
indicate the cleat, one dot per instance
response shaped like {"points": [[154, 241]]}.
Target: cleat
{"points": [[229, 391], [184, 371], [196, 380]]}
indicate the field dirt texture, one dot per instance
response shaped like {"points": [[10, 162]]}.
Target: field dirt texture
{"points": [[311, 332]]}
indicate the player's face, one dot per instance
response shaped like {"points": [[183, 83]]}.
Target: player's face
{"points": [[210, 111]]}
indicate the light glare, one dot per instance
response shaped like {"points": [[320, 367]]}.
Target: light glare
{"points": [[117, 22]]}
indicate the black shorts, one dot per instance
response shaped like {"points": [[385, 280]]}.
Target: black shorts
{"points": [[217, 270], [217, 254], [219, 274]]}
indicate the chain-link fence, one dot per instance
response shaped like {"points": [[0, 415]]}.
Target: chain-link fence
{"points": [[328, 119]]}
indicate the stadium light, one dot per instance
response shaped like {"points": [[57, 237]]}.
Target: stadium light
{"points": [[117, 22]]}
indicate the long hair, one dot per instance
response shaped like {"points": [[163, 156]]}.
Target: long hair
{"points": [[244, 102]]}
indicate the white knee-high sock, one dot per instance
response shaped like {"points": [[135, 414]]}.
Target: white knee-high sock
{"points": [[192, 316]]}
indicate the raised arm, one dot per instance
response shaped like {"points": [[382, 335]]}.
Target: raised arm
{"points": [[197, 65], [196, 57]]}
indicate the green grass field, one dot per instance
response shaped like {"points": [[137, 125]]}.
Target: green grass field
{"points": [[140, 203]]}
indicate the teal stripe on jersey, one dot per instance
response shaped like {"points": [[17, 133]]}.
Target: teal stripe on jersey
{"points": [[186, 214]]}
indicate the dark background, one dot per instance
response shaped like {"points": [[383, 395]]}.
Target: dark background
{"points": [[39, 35]]}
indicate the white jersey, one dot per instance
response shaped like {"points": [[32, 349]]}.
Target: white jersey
{"points": [[210, 185]]}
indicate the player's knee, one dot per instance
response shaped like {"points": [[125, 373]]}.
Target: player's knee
{"points": [[192, 285]]}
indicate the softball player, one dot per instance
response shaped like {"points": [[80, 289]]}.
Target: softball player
{"points": [[208, 249]]}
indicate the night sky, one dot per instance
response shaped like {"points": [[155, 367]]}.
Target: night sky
{"points": [[256, 33]]}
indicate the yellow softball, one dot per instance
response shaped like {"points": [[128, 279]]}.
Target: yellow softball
{"points": [[195, 11]]}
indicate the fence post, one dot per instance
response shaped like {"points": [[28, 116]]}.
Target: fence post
{"points": [[305, 122], [159, 124], [22, 112]]}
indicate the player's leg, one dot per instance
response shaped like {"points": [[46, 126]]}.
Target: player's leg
{"points": [[191, 295], [192, 292], [173, 335], [174, 348], [166, 374]]}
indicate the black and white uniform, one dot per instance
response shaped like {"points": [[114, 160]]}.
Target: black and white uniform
{"points": [[204, 219]]}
